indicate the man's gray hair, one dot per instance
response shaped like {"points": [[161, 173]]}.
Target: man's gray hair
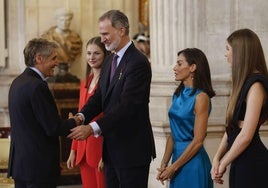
{"points": [[37, 46], [118, 19]]}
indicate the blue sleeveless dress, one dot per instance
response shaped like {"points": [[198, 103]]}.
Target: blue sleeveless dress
{"points": [[196, 172]]}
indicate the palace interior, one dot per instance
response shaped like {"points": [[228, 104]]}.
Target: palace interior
{"points": [[171, 25]]}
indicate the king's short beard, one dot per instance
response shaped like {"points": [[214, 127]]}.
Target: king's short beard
{"points": [[113, 45]]}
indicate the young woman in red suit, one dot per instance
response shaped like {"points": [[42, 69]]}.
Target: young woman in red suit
{"points": [[88, 153]]}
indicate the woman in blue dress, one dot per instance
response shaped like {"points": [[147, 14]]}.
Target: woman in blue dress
{"points": [[188, 115]]}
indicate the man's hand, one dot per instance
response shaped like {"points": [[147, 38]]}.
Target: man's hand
{"points": [[81, 132], [78, 119]]}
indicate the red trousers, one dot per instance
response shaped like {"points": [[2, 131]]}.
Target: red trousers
{"points": [[91, 177]]}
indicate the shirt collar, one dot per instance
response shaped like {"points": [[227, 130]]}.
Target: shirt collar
{"points": [[121, 52], [38, 72]]}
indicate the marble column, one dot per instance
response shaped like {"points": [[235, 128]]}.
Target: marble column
{"points": [[175, 25], [14, 64]]}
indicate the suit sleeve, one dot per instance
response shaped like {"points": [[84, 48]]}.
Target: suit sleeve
{"points": [[45, 110]]}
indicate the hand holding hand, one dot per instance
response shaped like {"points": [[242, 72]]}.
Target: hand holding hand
{"points": [[160, 170], [81, 132], [166, 173], [217, 172], [78, 118]]}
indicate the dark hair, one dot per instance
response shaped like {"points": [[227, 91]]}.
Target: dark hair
{"points": [[201, 76], [118, 19], [36, 46], [96, 41]]}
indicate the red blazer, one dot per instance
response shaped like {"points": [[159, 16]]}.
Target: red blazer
{"points": [[91, 148]]}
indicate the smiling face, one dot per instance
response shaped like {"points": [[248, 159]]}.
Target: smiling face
{"points": [[110, 35], [47, 65], [183, 71], [95, 56]]}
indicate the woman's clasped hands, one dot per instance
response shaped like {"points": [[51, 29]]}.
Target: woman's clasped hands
{"points": [[165, 173], [217, 172]]}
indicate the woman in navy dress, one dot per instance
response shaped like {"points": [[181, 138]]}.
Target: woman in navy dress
{"points": [[188, 116], [241, 145]]}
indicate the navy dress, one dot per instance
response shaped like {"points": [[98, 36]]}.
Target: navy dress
{"points": [[250, 169], [196, 172]]}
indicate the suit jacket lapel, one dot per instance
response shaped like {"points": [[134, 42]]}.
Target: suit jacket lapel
{"points": [[120, 69], [106, 74]]}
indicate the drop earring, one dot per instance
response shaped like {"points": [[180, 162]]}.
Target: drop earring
{"points": [[192, 76]]}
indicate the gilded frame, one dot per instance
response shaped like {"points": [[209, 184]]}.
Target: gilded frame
{"points": [[144, 12]]}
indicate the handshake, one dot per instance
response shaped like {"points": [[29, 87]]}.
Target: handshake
{"points": [[78, 118], [80, 132]]}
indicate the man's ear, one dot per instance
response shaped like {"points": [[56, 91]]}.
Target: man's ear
{"points": [[122, 31], [38, 58]]}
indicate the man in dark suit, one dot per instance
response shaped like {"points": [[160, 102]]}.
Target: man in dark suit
{"points": [[35, 123], [128, 139]]}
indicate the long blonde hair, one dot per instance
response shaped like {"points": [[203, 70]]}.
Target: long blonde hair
{"points": [[248, 57]]}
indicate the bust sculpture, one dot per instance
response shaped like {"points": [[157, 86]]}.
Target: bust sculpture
{"points": [[69, 42]]}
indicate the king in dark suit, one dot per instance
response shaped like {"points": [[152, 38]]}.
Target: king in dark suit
{"points": [[35, 123], [125, 126]]}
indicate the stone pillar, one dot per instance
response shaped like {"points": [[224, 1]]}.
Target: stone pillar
{"points": [[15, 63], [175, 25]]}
